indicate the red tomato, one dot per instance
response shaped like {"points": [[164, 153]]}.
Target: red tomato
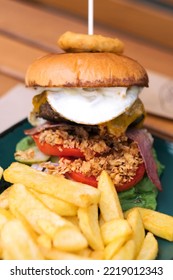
{"points": [[91, 180], [57, 150], [137, 178], [60, 151], [79, 177]]}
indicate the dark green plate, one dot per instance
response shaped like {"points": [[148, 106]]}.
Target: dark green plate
{"points": [[10, 137]]}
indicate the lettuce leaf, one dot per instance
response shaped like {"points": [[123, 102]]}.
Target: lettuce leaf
{"points": [[144, 194]]}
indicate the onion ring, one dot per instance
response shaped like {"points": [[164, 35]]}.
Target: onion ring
{"points": [[76, 42]]}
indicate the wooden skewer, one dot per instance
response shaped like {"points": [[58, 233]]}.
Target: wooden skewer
{"points": [[90, 17]]}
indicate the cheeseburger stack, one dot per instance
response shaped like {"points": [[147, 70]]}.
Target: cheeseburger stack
{"points": [[88, 117]]}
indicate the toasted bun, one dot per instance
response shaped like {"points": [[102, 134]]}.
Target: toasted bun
{"points": [[86, 70]]}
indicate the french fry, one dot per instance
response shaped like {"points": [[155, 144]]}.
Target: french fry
{"points": [[4, 198], [109, 203], [69, 239], [46, 226], [85, 252], [91, 254], [1, 172], [33, 211], [88, 222], [101, 221], [149, 248], [113, 247], [135, 221], [44, 241], [58, 206], [54, 254], [158, 223], [21, 218], [97, 255], [126, 252], [5, 216], [64, 234], [74, 220], [114, 229], [17, 244], [76, 193]]}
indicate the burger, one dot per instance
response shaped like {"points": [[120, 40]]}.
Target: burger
{"points": [[87, 117]]}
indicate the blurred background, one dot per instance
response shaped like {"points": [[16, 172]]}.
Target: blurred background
{"points": [[150, 20]]}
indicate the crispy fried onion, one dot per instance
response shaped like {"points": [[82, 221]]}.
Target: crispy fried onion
{"points": [[121, 163], [75, 42]]}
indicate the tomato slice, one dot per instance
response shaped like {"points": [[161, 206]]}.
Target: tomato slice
{"points": [[137, 178], [91, 180], [79, 177], [57, 150]]}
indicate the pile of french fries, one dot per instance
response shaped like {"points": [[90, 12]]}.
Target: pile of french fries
{"points": [[49, 217]]}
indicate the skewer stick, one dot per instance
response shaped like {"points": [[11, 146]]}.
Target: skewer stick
{"points": [[90, 16]]}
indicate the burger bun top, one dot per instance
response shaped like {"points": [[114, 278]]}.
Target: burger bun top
{"points": [[86, 70]]}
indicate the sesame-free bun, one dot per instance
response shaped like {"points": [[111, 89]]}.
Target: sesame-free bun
{"points": [[85, 70]]}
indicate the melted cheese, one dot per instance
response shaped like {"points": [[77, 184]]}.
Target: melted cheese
{"points": [[119, 125], [38, 100]]}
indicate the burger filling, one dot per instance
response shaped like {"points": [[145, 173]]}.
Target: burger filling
{"points": [[85, 145], [85, 150], [88, 151], [90, 106]]}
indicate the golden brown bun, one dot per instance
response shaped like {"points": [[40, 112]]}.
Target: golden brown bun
{"points": [[86, 70]]}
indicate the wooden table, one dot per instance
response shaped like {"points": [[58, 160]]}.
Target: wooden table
{"points": [[29, 31]]}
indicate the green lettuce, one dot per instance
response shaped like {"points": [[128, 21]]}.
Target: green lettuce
{"points": [[144, 194]]}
